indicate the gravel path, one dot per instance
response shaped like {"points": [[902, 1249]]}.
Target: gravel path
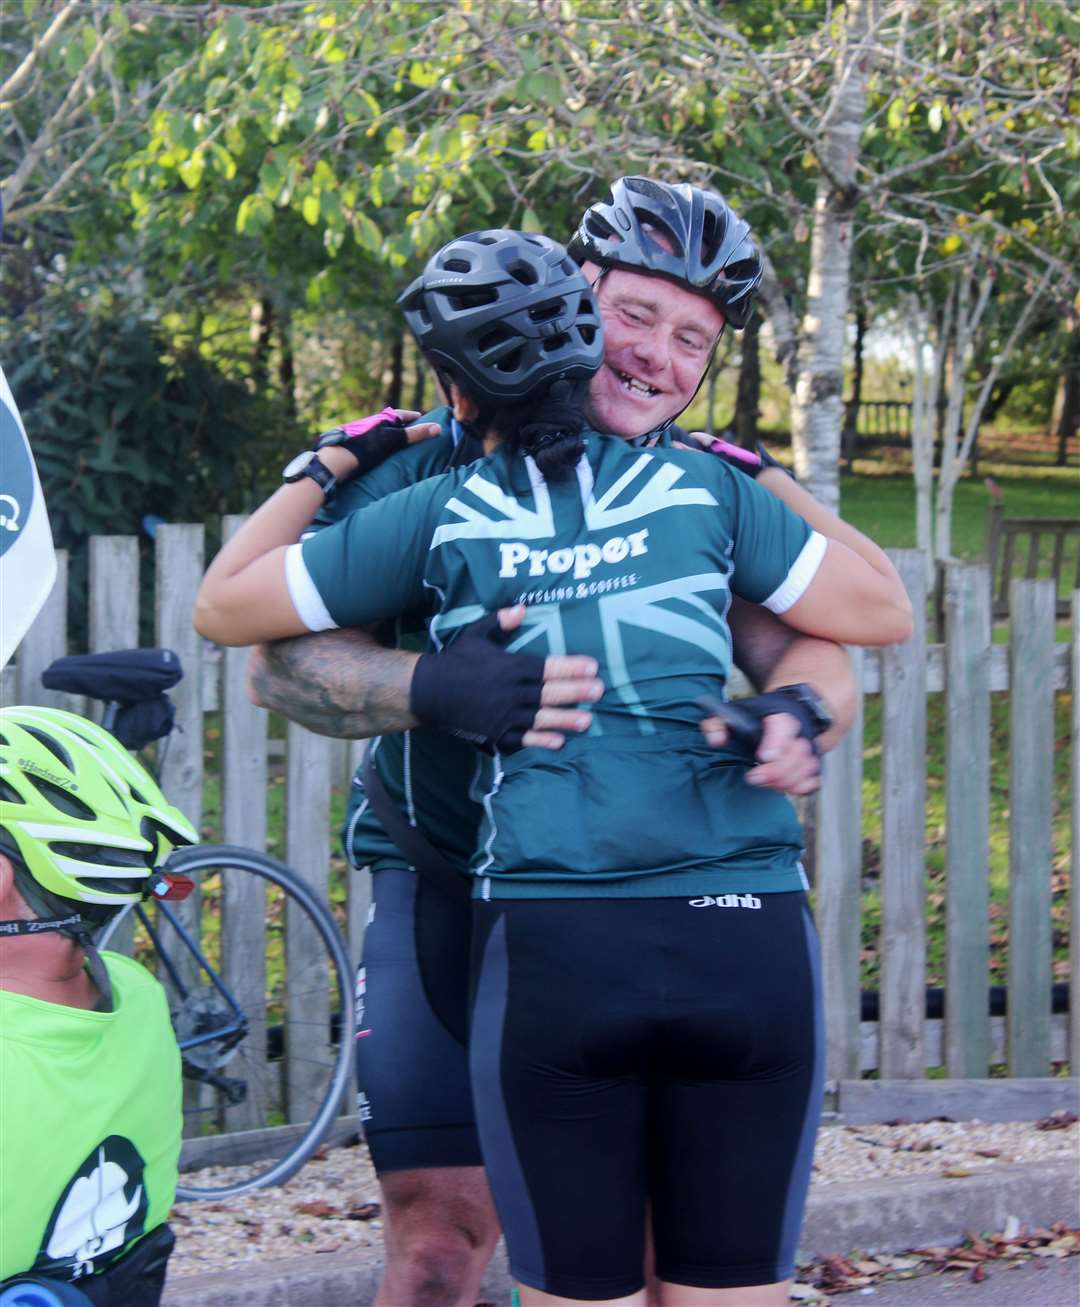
{"points": [[332, 1205]]}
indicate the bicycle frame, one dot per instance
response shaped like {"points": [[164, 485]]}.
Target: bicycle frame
{"points": [[239, 1025]]}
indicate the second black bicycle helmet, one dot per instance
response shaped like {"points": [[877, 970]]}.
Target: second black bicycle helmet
{"points": [[711, 249], [503, 313]]}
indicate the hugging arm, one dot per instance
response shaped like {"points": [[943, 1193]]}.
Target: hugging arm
{"points": [[338, 683], [772, 655]]}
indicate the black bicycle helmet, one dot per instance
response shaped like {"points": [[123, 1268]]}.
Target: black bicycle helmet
{"points": [[711, 248], [505, 313]]}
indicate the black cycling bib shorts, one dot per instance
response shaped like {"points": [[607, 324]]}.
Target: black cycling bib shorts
{"points": [[412, 998], [647, 1052]]}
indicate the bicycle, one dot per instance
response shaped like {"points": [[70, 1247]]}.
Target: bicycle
{"points": [[258, 979]]}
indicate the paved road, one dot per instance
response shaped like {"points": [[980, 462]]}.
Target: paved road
{"points": [[1044, 1282]]}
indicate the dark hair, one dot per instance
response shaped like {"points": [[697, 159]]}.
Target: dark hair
{"points": [[547, 426]]}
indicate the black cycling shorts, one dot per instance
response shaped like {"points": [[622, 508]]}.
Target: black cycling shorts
{"points": [[660, 1052], [412, 1001]]}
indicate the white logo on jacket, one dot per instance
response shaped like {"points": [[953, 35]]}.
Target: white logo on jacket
{"points": [[584, 559]]}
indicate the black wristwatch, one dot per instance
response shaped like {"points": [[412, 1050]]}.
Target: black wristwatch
{"points": [[308, 464]]}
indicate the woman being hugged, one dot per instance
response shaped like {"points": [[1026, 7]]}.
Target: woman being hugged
{"points": [[646, 1016]]}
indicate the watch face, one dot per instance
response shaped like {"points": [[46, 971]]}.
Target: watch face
{"points": [[295, 466]]}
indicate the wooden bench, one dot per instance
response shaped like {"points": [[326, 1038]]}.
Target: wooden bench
{"points": [[1014, 547]]}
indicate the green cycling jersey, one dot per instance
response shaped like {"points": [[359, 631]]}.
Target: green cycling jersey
{"points": [[90, 1119], [632, 559]]}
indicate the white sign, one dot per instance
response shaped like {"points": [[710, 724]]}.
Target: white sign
{"points": [[27, 559]]}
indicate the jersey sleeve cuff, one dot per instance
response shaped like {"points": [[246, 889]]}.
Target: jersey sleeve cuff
{"points": [[802, 572], [304, 595]]}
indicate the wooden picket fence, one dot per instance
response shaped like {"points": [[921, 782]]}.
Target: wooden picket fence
{"points": [[968, 668]]}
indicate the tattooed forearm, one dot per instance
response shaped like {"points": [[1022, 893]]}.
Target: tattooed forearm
{"points": [[339, 683]]}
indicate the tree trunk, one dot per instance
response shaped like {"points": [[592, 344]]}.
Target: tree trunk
{"points": [[1068, 417], [419, 382], [396, 377], [851, 412], [773, 303], [817, 411], [260, 333], [923, 404], [287, 363], [748, 394]]}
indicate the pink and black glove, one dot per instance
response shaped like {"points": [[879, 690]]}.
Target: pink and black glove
{"points": [[369, 440], [753, 464]]}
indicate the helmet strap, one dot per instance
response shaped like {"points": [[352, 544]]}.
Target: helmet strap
{"points": [[39, 925], [100, 976]]}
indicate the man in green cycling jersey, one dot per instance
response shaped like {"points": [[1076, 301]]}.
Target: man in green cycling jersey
{"points": [[90, 1082], [439, 1223]]}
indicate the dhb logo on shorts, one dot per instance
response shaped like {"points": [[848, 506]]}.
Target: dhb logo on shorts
{"points": [[727, 901]]}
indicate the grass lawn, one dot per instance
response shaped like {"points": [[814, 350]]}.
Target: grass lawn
{"points": [[880, 500]]}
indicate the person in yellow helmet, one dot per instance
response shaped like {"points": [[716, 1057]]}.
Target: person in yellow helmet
{"points": [[89, 1068]]}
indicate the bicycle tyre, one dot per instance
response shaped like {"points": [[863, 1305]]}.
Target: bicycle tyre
{"points": [[219, 870]]}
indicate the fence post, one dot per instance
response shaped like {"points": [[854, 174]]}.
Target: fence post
{"points": [[178, 558], [903, 831], [839, 892], [307, 851], [114, 593], [114, 624], [1031, 788], [1074, 896], [243, 811], [967, 818], [45, 640]]}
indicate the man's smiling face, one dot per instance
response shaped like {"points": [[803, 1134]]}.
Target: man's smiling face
{"points": [[658, 339]]}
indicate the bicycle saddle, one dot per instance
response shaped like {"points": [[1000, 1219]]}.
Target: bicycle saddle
{"points": [[123, 676]]}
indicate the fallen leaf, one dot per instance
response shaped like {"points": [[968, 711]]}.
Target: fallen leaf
{"points": [[956, 1172], [978, 1273], [987, 1152], [363, 1212], [1057, 1120], [317, 1208]]}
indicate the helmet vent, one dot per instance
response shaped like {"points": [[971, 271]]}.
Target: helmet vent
{"points": [[523, 272], [710, 238], [99, 854], [545, 312], [471, 299], [4, 741], [653, 228], [555, 342], [587, 332], [509, 362], [457, 265], [57, 750], [496, 336], [62, 799], [9, 794], [598, 227]]}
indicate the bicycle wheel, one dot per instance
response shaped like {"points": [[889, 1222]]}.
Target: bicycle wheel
{"points": [[260, 990]]}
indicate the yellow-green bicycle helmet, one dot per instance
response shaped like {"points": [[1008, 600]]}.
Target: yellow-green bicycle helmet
{"points": [[83, 817]]}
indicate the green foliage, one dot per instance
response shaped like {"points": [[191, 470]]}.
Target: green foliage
{"points": [[122, 428]]}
